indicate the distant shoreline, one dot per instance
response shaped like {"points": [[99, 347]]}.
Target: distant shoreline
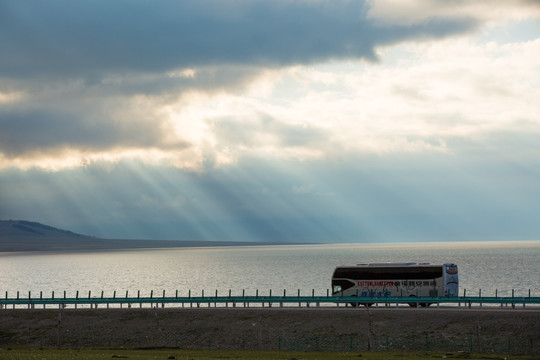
{"points": [[21, 236], [129, 245], [97, 245]]}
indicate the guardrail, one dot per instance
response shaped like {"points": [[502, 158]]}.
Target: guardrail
{"points": [[260, 300]]}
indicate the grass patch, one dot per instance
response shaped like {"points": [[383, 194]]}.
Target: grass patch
{"points": [[176, 354]]}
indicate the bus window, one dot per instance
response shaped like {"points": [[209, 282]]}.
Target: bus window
{"points": [[340, 285]]}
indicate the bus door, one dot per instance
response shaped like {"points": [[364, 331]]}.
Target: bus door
{"points": [[451, 283]]}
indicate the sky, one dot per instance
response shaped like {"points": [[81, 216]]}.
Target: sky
{"points": [[286, 121]]}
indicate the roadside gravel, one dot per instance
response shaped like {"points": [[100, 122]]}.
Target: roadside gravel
{"points": [[270, 328]]}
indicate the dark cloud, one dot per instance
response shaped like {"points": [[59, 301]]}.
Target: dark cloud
{"points": [[65, 38], [99, 113], [31, 131], [79, 64]]}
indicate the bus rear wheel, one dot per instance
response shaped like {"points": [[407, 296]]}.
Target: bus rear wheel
{"points": [[358, 304]]}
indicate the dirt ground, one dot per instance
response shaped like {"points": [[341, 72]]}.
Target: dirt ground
{"points": [[480, 329]]}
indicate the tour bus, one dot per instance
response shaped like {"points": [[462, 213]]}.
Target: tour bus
{"points": [[396, 279]]}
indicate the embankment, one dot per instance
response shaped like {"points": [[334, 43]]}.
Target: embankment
{"points": [[487, 329]]}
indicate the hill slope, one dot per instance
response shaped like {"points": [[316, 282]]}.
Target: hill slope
{"points": [[21, 235], [28, 229]]}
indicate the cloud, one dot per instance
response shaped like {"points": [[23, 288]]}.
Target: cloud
{"points": [[264, 131], [92, 39], [82, 79], [203, 83], [39, 130], [410, 12], [438, 91]]}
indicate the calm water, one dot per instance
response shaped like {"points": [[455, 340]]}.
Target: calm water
{"points": [[486, 266]]}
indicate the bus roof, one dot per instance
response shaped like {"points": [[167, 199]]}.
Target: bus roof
{"points": [[391, 264]]}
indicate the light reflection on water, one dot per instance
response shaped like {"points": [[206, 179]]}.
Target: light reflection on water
{"points": [[486, 266]]}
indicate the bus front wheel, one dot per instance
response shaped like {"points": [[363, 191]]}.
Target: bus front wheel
{"points": [[413, 304]]}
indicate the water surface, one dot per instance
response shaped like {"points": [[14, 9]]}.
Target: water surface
{"points": [[484, 266]]}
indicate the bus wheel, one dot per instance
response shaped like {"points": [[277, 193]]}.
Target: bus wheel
{"points": [[354, 304], [368, 304], [413, 304]]}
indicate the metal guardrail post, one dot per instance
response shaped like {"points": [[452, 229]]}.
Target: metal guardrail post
{"points": [[480, 296]]}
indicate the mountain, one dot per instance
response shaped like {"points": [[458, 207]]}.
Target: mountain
{"points": [[21, 235]]}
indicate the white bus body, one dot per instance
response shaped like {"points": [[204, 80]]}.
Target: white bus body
{"points": [[396, 279]]}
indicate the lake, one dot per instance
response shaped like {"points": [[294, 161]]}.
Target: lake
{"points": [[482, 265]]}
